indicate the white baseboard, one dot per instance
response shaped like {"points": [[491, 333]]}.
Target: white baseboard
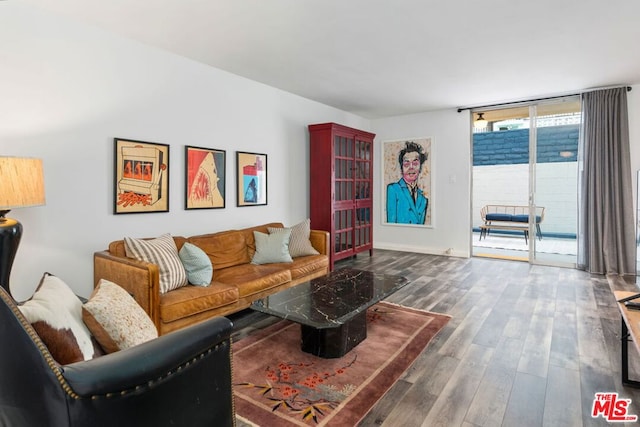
{"points": [[422, 250]]}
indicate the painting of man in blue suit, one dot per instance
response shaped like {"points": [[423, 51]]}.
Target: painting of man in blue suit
{"points": [[406, 203]]}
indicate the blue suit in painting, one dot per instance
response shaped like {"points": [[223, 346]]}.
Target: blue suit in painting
{"points": [[401, 208]]}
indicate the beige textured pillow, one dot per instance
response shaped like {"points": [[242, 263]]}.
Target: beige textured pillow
{"points": [[299, 243], [115, 319]]}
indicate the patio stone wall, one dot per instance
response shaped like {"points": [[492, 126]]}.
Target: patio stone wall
{"points": [[508, 147]]}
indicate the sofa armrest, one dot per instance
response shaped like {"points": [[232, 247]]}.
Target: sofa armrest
{"points": [[320, 241], [141, 279]]}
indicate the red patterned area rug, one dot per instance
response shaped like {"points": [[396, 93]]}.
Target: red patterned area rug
{"points": [[276, 384]]}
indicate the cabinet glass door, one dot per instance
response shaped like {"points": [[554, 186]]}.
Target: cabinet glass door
{"points": [[363, 171], [343, 164], [343, 231], [343, 195]]}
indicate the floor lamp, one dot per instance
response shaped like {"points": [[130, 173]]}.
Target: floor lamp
{"points": [[21, 185]]}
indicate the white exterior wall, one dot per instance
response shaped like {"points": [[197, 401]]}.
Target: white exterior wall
{"points": [[556, 191]]}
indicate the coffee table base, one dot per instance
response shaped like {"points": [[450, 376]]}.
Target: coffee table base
{"points": [[331, 343]]}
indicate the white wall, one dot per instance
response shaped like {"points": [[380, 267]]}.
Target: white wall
{"points": [[451, 157], [66, 90]]}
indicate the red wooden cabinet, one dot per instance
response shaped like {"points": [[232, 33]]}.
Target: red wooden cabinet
{"points": [[341, 165]]}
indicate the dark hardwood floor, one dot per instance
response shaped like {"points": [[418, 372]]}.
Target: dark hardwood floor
{"points": [[526, 345]]}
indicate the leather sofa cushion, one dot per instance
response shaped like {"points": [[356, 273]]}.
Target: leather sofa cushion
{"points": [[305, 265], [229, 248], [224, 249], [189, 300], [250, 279]]}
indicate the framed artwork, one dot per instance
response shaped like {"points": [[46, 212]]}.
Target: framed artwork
{"points": [[205, 178], [251, 179], [407, 182], [141, 181]]}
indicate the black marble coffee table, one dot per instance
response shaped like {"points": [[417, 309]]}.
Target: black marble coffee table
{"points": [[331, 309]]}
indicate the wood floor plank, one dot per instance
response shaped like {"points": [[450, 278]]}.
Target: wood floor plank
{"points": [[395, 394], [409, 412], [490, 401], [562, 406], [517, 326], [537, 347], [433, 380], [593, 381], [453, 401], [464, 334], [526, 403], [564, 352], [591, 342], [507, 354], [490, 331]]}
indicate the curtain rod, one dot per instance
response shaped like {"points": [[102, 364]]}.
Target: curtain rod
{"points": [[504, 104]]}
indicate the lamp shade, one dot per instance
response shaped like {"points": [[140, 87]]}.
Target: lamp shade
{"points": [[21, 182]]}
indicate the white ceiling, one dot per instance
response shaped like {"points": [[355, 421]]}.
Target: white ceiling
{"points": [[379, 58]]}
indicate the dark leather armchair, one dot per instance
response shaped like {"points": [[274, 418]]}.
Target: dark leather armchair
{"points": [[179, 379]]}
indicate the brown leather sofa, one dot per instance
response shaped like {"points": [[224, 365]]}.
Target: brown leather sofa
{"points": [[235, 285], [181, 379]]}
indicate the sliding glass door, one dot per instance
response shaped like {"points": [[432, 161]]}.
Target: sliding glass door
{"points": [[555, 129], [525, 171]]}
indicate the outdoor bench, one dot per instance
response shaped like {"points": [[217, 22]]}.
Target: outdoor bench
{"points": [[509, 217]]}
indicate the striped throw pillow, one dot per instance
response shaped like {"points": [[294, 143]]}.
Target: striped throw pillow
{"points": [[299, 244], [163, 252]]}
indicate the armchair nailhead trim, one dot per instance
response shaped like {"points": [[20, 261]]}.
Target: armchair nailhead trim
{"points": [[233, 396], [152, 383]]}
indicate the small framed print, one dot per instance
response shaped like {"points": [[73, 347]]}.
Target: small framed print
{"points": [[141, 174], [251, 180], [205, 178]]}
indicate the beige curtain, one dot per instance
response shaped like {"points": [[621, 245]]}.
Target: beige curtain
{"points": [[606, 226]]}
